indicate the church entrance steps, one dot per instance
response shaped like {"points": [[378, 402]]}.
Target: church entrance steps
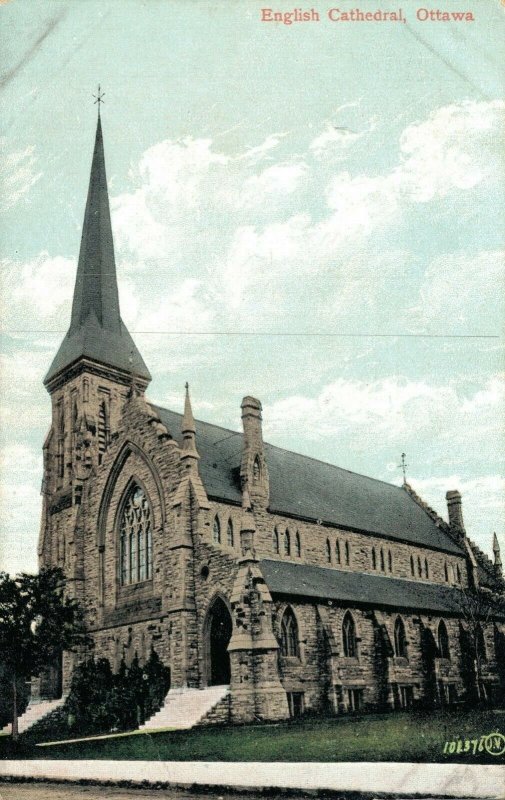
{"points": [[184, 708], [34, 714]]}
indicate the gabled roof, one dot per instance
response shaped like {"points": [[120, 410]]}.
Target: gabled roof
{"points": [[287, 578], [485, 569], [97, 331], [313, 490]]}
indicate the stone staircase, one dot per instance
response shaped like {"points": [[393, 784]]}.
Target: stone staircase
{"points": [[34, 714], [184, 708]]}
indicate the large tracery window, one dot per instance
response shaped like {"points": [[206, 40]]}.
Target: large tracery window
{"points": [[136, 538]]}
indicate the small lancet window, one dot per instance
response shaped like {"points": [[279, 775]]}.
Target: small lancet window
{"points": [[61, 440], [216, 531], [347, 553], [480, 643], [374, 558], [458, 573], [229, 534], [390, 561], [426, 568], [287, 543], [298, 545], [275, 541], [349, 636], [419, 567], [337, 551], [289, 634], [328, 551], [135, 538], [383, 565], [412, 568], [443, 640], [446, 573], [400, 639], [256, 470], [102, 431]]}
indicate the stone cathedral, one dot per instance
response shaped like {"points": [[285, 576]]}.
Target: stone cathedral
{"points": [[269, 583]]}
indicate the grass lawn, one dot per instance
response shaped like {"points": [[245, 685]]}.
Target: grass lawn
{"points": [[376, 737]]}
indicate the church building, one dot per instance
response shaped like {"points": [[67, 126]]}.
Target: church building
{"points": [[269, 583]]}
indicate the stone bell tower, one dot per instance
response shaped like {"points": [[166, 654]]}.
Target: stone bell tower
{"points": [[95, 368]]}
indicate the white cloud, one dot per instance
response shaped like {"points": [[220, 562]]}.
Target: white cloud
{"points": [[360, 416], [17, 174], [483, 503], [471, 287], [39, 292]]}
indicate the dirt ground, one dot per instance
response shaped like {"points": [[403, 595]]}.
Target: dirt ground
{"points": [[58, 791]]}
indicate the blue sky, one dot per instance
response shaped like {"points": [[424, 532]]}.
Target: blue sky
{"points": [[312, 214]]}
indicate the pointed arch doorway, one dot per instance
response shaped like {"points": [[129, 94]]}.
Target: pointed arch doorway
{"points": [[218, 631]]}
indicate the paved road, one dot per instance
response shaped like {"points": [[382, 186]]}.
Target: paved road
{"points": [[58, 791]]}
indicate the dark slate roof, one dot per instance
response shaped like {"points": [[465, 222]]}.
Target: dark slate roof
{"points": [[96, 329], [351, 588], [303, 487]]}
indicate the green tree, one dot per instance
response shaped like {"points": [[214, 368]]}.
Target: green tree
{"points": [[37, 622]]}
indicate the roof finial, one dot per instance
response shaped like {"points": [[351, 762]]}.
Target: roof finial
{"points": [[404, 466], [99, 98]]}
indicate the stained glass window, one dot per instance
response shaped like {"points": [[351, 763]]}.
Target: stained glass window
{"points": [[136, 538]]}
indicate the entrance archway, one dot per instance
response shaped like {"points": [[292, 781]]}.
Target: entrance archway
{"points": [[219, 628]]}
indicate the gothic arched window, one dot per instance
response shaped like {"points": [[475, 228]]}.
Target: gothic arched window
{"points": [[275, 540], [400, 639], [419, 567], [61, 440], [390, 561], [374, 558], [412, 568], [298, 545], [446, 573], [480, 643], [426, 568], [102, 431], [337, 551], [443, 640], [328, 551], [289, 634], [349, 636], [229, 534], [287, 544], [347, 553], [135, 538], [458, 573], [216, 531], [383, 566]]}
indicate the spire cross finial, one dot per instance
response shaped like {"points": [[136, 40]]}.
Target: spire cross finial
{"points": [[404, 466], [99, 98]]}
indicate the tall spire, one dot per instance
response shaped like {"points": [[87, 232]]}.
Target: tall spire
{"points": [[497, 555], [189, 452], [97, 331]]}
